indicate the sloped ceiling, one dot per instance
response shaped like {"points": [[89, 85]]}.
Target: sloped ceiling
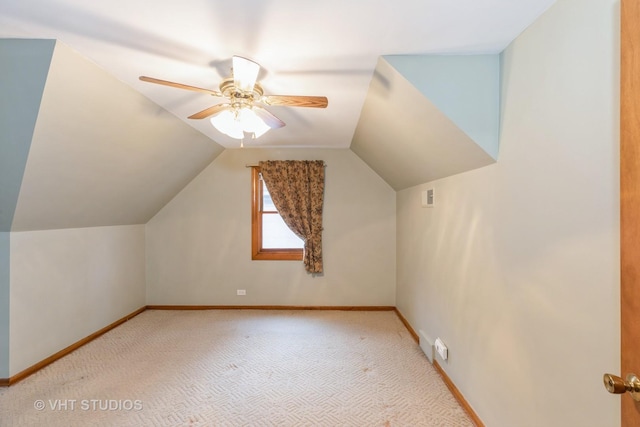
{"points": [[466, 88], [410, 134], [101, 153], [95, 146], [327, 47], [24, 65]]}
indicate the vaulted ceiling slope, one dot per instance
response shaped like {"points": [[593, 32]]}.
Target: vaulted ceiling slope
{"points": [[24, 65], [85, 143], [427, 117], [83, 149], [327, 48]]}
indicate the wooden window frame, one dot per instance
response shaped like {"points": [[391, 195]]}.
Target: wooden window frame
{"points": [[257, 251]]}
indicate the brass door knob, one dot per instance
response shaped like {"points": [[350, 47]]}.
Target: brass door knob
{"points": [[617, 385]]}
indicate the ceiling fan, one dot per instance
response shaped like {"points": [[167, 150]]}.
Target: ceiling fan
{"points": [[243, 112]]}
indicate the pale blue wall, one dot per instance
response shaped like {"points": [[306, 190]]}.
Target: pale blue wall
{"points": [[4, 305], [464, 87], [24, 65]]}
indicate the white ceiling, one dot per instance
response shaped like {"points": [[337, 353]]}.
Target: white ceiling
{"points": [[328, 48]]}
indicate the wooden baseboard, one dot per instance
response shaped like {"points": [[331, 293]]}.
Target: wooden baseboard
{"points": [[270, 307], [454, 390], [49, 360], [413, 333], [459, 397]]}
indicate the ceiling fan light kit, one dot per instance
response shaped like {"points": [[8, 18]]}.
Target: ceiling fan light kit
{"points": [[241, 114], [235, 123]]}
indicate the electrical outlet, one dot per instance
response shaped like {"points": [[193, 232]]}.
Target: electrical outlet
{"points": [[441, 349], [241, 292]]}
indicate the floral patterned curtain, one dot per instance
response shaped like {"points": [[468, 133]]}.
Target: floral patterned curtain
{"points": [[297, 191]]}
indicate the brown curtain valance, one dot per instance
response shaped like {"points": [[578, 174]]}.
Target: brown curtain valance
{"points": [[297, 191]]}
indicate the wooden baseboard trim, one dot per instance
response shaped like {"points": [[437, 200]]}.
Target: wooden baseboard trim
{"points": [[413, 333], [270, 307], [454, 390], [49, 360], [459, 397]]}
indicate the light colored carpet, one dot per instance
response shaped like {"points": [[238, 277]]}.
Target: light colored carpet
{"points": [[240, 368]]}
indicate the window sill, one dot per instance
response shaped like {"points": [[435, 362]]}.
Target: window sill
{"points": [[278, 255]]}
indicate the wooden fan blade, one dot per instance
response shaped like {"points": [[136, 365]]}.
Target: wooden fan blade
{"points": [[272, 121], [179, 85], [296, 101], [208, 112]]}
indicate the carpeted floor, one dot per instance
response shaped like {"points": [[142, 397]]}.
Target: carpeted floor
{"points": [[240, 368]]}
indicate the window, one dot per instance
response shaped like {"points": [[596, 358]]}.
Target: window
{"points": [[271, 239]]}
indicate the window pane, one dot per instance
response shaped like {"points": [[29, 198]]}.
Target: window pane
{"points": [[276, 234], [267, 203]]}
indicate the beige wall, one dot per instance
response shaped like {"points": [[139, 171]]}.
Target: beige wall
{"points": [[67, 284], [199, 245], [516, 268]]}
